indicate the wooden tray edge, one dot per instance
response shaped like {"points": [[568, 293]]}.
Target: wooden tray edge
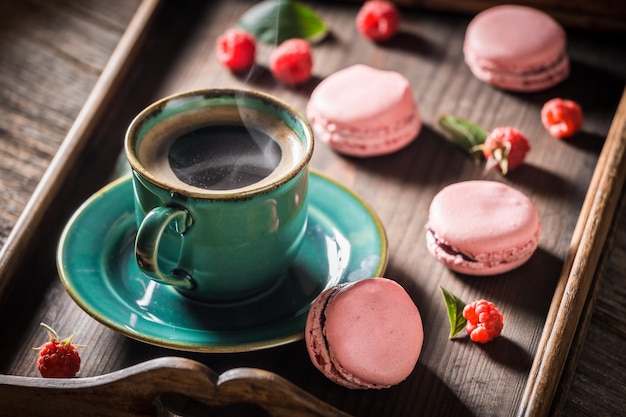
{"points": [[139, 390], [586, 246], [51, 184]]}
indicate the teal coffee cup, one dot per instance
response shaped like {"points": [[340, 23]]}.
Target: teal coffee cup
{"points": [[220, 180]]}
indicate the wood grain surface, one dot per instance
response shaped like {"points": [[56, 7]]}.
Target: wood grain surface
{"points": [[604, 15], [52, 54]]}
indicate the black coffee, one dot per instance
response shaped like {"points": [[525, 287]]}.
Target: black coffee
{"points": [[223, 157]]}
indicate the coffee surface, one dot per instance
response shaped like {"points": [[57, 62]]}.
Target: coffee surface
{"points": [[223, 157]]}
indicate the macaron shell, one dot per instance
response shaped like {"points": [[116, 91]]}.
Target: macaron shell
{"points": [[516, 47], [364, 97], [364, 111], [515, 37], [494, 226], [374, 331], [485, 263], [316, 341]]}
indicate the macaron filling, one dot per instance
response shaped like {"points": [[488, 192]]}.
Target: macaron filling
{"points": [[323, 358], [446, 248], [484, 262]]}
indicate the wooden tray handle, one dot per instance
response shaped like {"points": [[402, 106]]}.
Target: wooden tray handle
{"points": [[138, 391]]}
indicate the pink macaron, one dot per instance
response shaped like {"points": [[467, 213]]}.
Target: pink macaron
{"points": [[482, 227], [516, 48], [363, 111], [366, 334]]}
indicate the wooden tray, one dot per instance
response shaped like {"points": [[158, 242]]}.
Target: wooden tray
{"points": [[575, 184]]}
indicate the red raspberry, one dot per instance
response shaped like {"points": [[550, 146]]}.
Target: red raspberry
{"points": [[378, 20], [505, 148], [562, 118], [292, 62], [57, 358], [484, 321], [236, 50]]}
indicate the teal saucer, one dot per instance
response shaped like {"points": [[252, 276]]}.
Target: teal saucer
{"points": [[344, 242]]}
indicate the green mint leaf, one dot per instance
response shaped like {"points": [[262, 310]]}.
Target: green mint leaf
{"points": [[274, 21], [455, 306], [464, 133]]}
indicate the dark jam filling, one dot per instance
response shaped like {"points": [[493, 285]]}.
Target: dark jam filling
{"points": [[449, 249]]}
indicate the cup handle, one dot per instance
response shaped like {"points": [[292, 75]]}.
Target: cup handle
{"points": [[148, 240]]}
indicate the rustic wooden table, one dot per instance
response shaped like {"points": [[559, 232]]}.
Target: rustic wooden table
{"points": [[52, 54]]}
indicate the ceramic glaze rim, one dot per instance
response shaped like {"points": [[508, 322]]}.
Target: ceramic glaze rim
{"points": [[290, 119]]}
